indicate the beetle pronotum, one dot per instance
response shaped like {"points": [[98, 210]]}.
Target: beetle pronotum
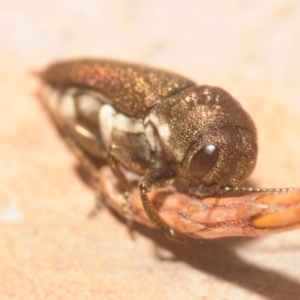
{"points": [[154, 123]]}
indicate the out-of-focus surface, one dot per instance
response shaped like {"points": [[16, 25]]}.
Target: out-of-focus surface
{"points": [[49, 248]]}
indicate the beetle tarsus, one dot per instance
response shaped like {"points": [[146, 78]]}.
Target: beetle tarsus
{"points": [[173, 236], [127, 211]]}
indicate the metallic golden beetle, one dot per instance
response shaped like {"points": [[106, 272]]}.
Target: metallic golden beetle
{"points": [[154, 123]]}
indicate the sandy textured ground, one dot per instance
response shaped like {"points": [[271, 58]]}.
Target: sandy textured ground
{"points": [[49, 248]]}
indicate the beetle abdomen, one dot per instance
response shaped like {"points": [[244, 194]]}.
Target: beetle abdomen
{"points": [[94, 124]]}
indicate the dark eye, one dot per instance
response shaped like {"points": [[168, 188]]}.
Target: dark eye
{"points": [[203, 161]]}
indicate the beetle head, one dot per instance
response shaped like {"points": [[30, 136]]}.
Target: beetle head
{"points": [[208, 136]]}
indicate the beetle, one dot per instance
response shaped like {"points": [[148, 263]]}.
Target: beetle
{"points": [[154, 123]]}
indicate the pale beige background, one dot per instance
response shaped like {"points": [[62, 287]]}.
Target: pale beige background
{"points": [[49, 248]]}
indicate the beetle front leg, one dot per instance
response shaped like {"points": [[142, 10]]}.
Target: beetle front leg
{"points": [[157, 178]]}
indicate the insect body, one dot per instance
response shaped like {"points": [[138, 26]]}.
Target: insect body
{"points": [[154, 123]]}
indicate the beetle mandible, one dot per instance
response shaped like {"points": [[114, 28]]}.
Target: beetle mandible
{"points": [[154, 123]]}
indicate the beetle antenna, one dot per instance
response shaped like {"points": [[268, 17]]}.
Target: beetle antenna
{"points": [[231, 189]]}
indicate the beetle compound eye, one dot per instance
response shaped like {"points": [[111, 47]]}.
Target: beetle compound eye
{"points": [[203, 161]]}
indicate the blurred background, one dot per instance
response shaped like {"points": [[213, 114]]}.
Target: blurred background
{"points": [[220, 42], [49, 247]]}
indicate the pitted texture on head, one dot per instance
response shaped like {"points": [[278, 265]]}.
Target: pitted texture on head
{"points": [[200, 116]]}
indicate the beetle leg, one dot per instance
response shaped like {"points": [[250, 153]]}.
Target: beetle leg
{"points": [[85, 139], [83, 159], [154, 179], [129, 159], [125, 156], [93, 172], [113, 163]]}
